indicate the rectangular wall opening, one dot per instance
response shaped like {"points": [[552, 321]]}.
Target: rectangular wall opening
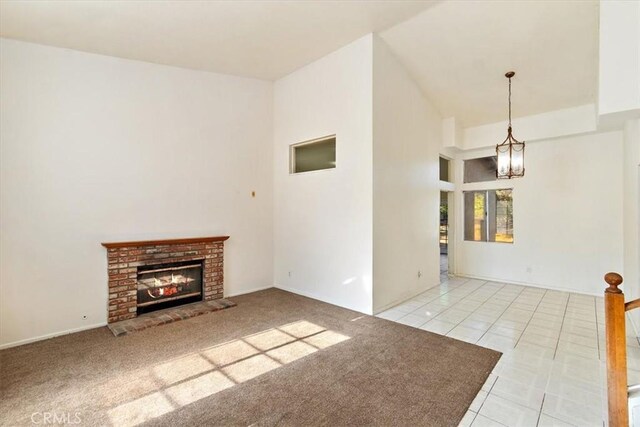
{"points": [[314, 155], [480, 170]]}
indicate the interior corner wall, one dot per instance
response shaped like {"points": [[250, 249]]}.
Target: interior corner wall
{"points": [[323, 219], [631, 214], [96, 148], [567, 216], [406, 198]]}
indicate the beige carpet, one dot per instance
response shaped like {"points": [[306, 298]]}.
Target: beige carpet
{"points": [[275, 359]]}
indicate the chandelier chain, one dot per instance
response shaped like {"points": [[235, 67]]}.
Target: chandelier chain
{"points": [[509, 102]]}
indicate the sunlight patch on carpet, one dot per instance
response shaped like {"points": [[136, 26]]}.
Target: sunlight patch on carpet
{"points": [[194, 376]]}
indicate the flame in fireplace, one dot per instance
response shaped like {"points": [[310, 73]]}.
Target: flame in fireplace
{"points": [[201, 374], [174, 280]]}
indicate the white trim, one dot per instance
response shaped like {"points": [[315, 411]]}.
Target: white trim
{"points": [[533, 285], [262, 288], [551, 124], [406, 296], [316, 297], [292, 153], [446, 186], [52, 335], [96, 325]]}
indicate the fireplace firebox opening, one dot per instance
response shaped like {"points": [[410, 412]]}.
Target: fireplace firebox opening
{"points": [[168, 285]]}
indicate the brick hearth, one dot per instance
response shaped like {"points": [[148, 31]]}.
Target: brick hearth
{"points": [[124, 258], [169, 315]]}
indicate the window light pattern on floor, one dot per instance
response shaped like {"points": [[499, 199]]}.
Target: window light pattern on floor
{"points": [[194, 376]]}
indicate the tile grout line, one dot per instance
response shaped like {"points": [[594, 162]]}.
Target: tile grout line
{"points": [[446, 309], [483, 285], [529, 321], [564, 316], [485, 399], [503, 311], [595, 309], [498, 376], [603, 390], [429, 301], [472, 312], [540, 411], [475, 415]]}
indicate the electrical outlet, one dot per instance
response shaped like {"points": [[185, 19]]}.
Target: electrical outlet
{"points": [[419, 274]]}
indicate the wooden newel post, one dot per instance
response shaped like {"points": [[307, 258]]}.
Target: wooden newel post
{"points": [[616, 352]]}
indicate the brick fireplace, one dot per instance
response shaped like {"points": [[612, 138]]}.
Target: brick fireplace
{"points": [[128, 261]]}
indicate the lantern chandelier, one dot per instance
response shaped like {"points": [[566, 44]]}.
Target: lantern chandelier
{"points": [[511, 151]]}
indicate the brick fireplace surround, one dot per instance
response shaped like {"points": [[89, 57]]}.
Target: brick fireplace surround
{"points": [[124, 258]]}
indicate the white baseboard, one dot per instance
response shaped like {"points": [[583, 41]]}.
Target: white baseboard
{"points": [[408, 295], [262, 288], [405, 296], [315, 296], [51, 335], [534, 285], [97, 325]]}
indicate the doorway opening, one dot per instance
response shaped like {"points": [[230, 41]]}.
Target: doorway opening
{"points": [[444, 235]]}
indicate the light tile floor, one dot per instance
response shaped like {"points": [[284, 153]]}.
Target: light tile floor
{"points": [[444, 264], [552, 372]]}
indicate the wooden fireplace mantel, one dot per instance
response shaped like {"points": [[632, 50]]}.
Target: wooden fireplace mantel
{"points": [[187, 240]]}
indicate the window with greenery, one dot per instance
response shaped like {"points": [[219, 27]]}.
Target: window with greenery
{"points": [[488, 216]]}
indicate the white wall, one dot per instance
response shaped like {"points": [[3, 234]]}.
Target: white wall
{"points": [[406, 198], [551, 124], [567, 214], [96, 149], [619, 56], [323, 219], [631, 214]]}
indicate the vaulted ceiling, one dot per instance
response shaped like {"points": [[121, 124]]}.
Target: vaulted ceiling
{"points": [[457, 51], [263, 39]]}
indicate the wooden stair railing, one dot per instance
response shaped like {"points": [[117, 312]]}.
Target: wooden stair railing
{"points": [[617, 387]]}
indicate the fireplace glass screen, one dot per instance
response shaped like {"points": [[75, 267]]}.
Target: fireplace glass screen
{"points": [[168, 285]]}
